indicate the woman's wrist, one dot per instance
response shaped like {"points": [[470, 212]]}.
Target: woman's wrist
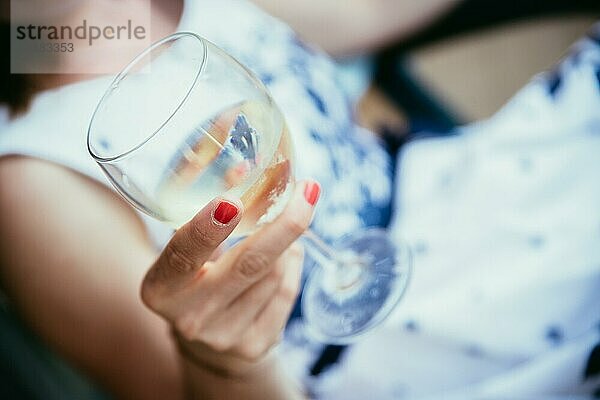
{"points": [[211, 375], [219, 364]]}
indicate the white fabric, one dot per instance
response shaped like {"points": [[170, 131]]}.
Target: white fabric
{"points": [[505, 223]]}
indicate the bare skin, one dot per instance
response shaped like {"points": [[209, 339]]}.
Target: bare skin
{"points": [[351, 27], [84, 261], [230, 311], [72, 259]]}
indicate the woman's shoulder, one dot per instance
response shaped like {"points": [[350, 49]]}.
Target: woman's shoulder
{"points": [[45, 168], [37, 196], [29, 182]]}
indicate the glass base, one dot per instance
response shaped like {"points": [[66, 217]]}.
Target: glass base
{"points": [[341, 303]]}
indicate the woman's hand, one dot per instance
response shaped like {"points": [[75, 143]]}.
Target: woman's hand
{"points": [[228, 311]]}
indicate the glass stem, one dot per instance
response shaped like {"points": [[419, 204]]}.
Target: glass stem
{"points": [[338, 271]]}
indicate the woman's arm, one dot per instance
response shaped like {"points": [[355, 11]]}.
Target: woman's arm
{"points": [[349, 27], [72, 257]]}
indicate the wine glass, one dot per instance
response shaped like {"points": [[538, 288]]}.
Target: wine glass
{"points": [[183, 123]]}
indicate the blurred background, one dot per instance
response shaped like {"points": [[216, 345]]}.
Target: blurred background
{"points": [[467, 64]]}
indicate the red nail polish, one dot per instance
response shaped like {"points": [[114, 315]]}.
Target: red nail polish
{"points": [[225, 212], [312, 192]]}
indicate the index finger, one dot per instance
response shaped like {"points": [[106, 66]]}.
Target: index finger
{"points": [[194, 243]]}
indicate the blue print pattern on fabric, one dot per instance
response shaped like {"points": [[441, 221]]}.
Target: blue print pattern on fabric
{"points": [[317, 100], [554, 81], [592, 368]]}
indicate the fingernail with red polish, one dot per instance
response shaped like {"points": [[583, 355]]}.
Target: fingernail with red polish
{"points": [[312, 192], [225, 212]]}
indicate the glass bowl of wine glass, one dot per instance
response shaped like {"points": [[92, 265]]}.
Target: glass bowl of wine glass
{"points": [[185, 122]]}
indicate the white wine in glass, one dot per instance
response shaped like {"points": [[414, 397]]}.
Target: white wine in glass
{"points": [[184, 123], [234, 153]]}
